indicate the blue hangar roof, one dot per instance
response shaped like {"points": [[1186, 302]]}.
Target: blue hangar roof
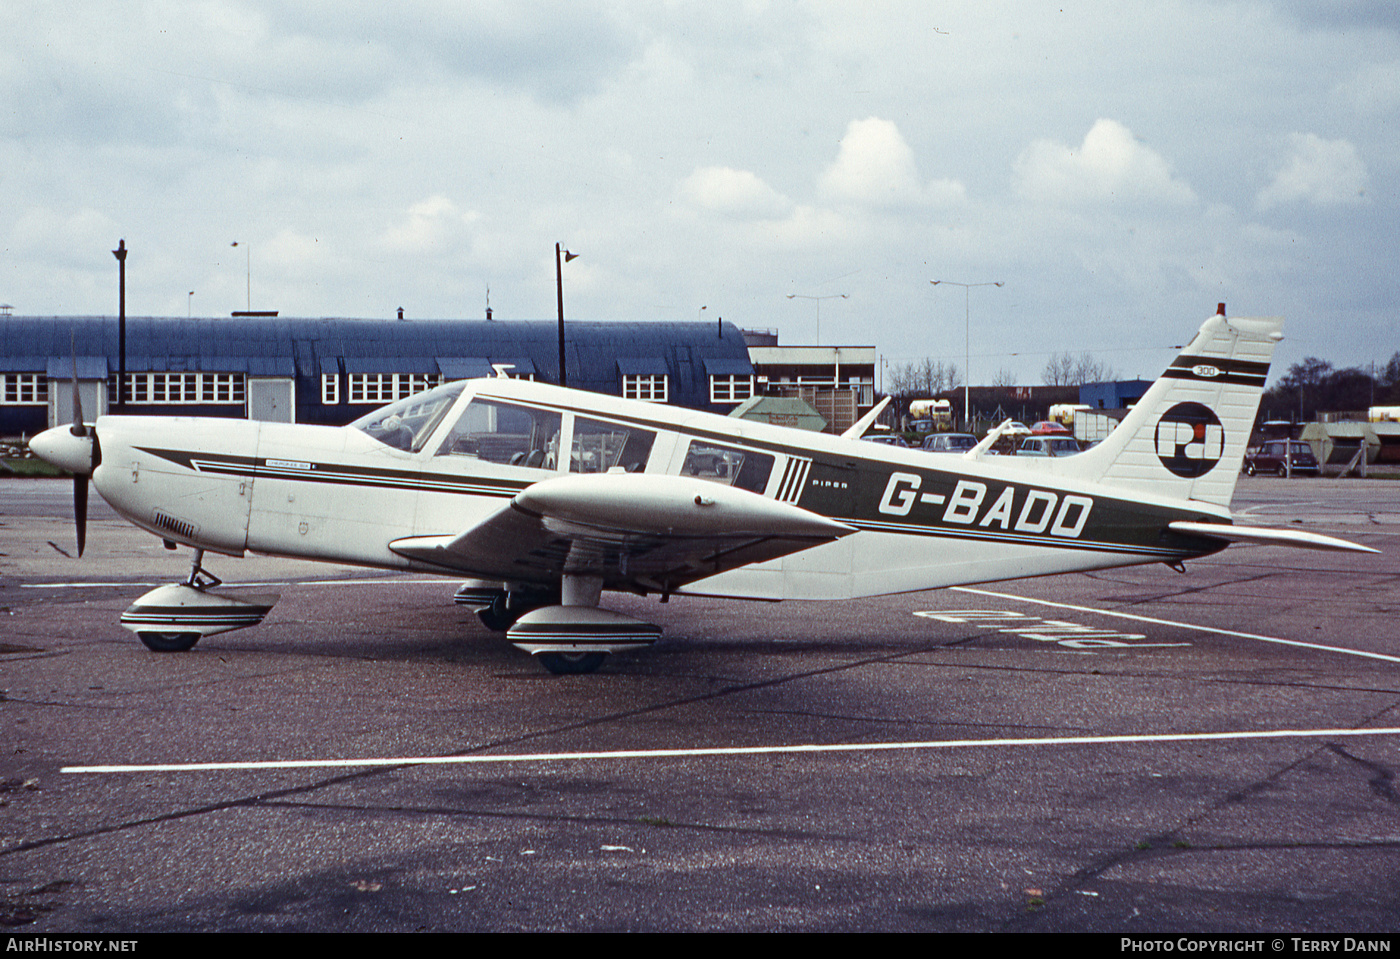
{"points": [[597, 354]]}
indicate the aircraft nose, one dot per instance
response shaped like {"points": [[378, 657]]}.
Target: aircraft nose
{"points": [[61, 448]]}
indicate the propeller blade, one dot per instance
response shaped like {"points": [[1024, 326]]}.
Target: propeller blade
{"points": [[80, 493], [78, 428], [80, 479]]}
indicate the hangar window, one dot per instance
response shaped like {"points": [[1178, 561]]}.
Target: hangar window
{"points": [[387, 387], [728, 465], [24, 389], [644, 386], [176, 389], [730, 387], [599, 446], [505, 433], [330, 389]]}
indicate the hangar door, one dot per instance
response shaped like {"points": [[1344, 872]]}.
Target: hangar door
{"points": [[272, 400]]}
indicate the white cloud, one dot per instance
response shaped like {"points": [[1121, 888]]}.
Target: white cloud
{"points": [[68, 237], [735, 193], [876, 167], [1317, 171], [1111, 164], [810, 228], [297, 254], [431, 225], [1374, 90]]}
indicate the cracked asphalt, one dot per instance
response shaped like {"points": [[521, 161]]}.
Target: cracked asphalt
{"points": [[1230, 834]]}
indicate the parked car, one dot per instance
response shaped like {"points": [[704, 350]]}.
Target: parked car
{"points": [[1269, 458], [1048, 446], [1048, 428], [949, 443], [888, 439]]}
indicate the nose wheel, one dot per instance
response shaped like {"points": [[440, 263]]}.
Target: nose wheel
{"points": [[571, 664], [168, 642]]}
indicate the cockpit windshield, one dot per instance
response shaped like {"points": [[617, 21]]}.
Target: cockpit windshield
{"points": [[407, 424]]}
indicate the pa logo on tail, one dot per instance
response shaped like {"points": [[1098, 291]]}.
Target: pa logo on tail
{"points": [[1189, 439]]}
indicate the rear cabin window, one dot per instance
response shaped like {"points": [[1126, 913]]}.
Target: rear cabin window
{"points": [[505, 433], [599, 446], [728, 465]]}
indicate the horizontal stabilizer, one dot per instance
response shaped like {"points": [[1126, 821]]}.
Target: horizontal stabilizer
{"points": [[1265, 536]]}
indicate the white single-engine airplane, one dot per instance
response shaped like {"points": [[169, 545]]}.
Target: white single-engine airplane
{"points": [[547, 496]]}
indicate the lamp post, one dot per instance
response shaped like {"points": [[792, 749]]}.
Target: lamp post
{"points": [[248, 249], [559, 281], [833, 296], [120, 254], [967, 339]]}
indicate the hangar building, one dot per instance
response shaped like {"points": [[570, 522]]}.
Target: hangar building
{"points": [[331, 371]]}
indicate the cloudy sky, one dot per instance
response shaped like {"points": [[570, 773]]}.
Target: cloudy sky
{"points": [[1120, 167]]}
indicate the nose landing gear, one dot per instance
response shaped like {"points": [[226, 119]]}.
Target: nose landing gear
{"points": [[171, 619]]}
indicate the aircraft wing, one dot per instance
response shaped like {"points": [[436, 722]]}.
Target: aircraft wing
{"points": [[636, 531], [1264, 536]]}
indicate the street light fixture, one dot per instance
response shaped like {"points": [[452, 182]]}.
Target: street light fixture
{"points": [[559, 281], [967, 339], [833, 296]]}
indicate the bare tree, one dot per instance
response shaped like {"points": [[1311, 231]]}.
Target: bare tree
{"points": [[1089, 370], [1059, 370], [1004, 379], [923, 377], [1066, 369]]}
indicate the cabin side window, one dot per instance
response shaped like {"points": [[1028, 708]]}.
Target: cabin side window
{"points": [[728, 465], [505, 433], [599, 447]]}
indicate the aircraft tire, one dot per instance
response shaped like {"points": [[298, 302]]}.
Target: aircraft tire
{"points": [[498, 617], [168, 642], [571, 664], [503, 612]]}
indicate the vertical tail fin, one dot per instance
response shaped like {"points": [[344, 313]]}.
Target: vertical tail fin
{"points": [[1186, 437]]}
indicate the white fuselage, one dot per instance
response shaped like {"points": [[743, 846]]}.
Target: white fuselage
{"points": [[340, 495]]}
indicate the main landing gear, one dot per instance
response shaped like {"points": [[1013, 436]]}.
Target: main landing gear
{"points": [[567, 633], [497, 608], [171, 619]]}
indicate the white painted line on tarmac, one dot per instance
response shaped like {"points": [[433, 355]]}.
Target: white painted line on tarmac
{"points": [[1168, 622], [258, 583], [734, 751]]}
